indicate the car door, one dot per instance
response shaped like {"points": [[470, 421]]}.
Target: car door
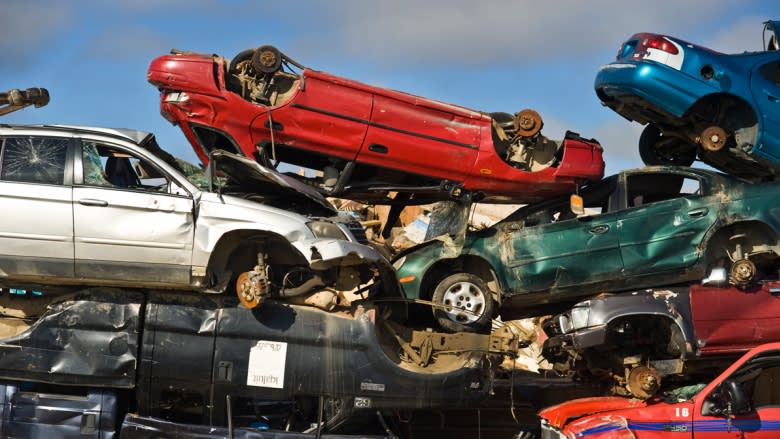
{"points": [[559, 250], [125, 228], [666, 216], [328, 116], [36, 228], [728, 320], [757, 381], [425, 139], [765, 85]]}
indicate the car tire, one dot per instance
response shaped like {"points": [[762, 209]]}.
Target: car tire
{"points": [[648, 150], [464, 303]]}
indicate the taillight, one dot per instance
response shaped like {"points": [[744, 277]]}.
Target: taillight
{"points": [[660, 43], [652, 41]]}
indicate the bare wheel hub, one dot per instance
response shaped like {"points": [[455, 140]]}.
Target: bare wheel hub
{"points": [[464, 302], [643, 381], [742, 273], [713, 138], [528, 122], [251, 289]]}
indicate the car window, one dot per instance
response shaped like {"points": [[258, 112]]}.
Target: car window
{"points": [[596, 197], [771, 72], [643, 189], [34, 159], [110, 166], [766, 388]]}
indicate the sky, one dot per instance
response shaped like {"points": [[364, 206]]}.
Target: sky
{"points": [[488, 55]]}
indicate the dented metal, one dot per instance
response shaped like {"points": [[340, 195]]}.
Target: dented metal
{"points": [[179, 356], [667, 331], [642, 228], [128, 214]]}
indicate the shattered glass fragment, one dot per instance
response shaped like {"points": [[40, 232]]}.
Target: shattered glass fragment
{"points": [[34, 159]]}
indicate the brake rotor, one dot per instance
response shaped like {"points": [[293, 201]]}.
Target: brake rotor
{"points": [[742, 272], [267, 59], [528, 123], [248, 291], [713, 138], [643, 382]]}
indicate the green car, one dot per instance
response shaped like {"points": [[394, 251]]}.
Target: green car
{"points": [[641, 228]]}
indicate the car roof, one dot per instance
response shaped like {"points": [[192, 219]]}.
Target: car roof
{"points": [[135, 136]]}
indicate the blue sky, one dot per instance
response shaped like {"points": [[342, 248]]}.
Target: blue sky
{"points": [[490, 55]]}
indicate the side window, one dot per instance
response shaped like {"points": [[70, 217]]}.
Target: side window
{"points": [[34, 159], [771, 72], [597, 197], [650, 188], [109, 166], [766, 388]]}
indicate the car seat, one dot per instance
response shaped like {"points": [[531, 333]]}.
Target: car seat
{"points": [[120, 173]]}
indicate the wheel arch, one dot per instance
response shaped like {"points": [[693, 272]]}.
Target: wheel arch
{"points": [[720, 236], [228, 252], [683, 327], [744, 119], [462, 264]]}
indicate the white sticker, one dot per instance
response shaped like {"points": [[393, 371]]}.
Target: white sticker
{"points": [[362, 403], [266, 364]]}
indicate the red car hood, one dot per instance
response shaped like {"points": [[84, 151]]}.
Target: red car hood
{"points": [[557, 415]]}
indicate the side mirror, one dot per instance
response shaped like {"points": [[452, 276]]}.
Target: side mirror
{"points": [[735, 398], [577, 205]]}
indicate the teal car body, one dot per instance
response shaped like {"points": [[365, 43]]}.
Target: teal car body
{"points": [[643, 227]]}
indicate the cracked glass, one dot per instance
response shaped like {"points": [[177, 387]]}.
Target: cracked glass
{"points": [[34, 159]]}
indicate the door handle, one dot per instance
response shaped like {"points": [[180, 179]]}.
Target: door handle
{"points": [[382, 149], [771, 97], [598, 230], [698, 213], [93, 202]]}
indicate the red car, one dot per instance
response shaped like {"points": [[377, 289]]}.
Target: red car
{"points": [[742, 402], [366, 142]]}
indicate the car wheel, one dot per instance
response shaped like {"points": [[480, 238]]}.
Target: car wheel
{"points": [[651, 139], [464, 303]]}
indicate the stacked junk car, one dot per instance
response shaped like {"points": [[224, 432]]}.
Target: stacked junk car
{"points": [[231, 298]]}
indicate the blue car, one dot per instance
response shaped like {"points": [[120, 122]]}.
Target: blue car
{"points": [[723, 109]]}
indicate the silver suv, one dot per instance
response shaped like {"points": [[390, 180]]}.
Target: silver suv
{"points": [[95, 206]]}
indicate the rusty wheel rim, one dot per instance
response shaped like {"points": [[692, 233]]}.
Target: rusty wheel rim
{"points": [[244, 291], [713, 138], [528, 123]]}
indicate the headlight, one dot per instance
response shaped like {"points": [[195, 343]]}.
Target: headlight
{"points": [[579, 318], [324, 229]]}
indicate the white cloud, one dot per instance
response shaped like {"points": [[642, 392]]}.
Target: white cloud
{"points": [[132, 42], [619, 138], [26, 26], [470, 33], [743, 35]]}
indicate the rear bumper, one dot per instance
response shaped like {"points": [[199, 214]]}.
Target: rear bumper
{"points": [[630, 88]]}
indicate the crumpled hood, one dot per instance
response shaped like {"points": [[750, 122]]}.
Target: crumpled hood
{"points": [[247, 176], [557, 415]]}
